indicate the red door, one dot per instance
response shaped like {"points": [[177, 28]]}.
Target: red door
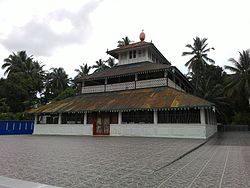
{"points": [[102, 124]]}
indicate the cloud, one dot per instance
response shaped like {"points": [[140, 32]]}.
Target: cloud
{"points": [[60, 28]]}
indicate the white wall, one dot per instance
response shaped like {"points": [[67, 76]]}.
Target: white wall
{"points": [[62, 129], [144, 130], [159, 130], [210, 130], [134, 60]]}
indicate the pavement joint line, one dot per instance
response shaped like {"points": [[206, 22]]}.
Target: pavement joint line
{"points": [[128, 174], [224, 168], [183, 155], [204, 166], [182, 168]]}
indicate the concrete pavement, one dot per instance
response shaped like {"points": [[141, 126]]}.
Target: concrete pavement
{"points": [[68, 161]]}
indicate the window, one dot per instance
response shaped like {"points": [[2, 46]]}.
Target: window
{"points": [[134, 54], [72, 118], [41, 119], [179, 116], [113, 117], [52, 119], [138, 117], [91, 117], [130, 54]]}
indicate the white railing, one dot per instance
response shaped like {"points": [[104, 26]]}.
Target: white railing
{"points": [[93, 89], [151, 83], [179, 88], [120, 86], [131, 85], [171, 83]]}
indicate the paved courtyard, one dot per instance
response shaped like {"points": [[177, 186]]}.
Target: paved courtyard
{"points": [[71, 161]]}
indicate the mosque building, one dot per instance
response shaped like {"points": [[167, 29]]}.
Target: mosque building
{"points": [[143, 95]]}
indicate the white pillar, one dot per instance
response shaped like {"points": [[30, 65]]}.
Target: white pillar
{"points": [[60, 118], [85, 118], [35, 119], [209, 117], [119, 117], [155, 117], [202, 116]]}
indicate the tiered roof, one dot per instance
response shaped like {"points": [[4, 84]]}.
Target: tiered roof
{"points": [[140, 99], [127, 69]]}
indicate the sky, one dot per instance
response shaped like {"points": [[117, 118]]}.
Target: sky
{"points": [[64, 33]]}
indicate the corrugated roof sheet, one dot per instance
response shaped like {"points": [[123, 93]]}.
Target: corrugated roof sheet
{"points": [[126, 69], [150, 98]]}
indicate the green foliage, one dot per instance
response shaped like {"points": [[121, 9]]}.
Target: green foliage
{"points": [[15, 116], [100, 65], [241, 118], [83, 71], [124, 42], [56, 82], [238, 83], [3, 106], [208, 80], [210, 87], [16, 89], [24, 82], [199, 58], [111, 62], [69, 92]]}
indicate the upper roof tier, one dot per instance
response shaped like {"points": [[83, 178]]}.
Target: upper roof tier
{"points": [[126, 70]]}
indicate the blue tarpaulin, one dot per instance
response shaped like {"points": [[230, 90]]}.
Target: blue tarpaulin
{"points": [[16, 127]]}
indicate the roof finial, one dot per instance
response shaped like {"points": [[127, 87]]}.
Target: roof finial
{"points": [[142, 36]]}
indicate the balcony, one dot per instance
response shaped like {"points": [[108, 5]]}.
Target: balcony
{"points": [[151, 83], [131, 85], [93, 89], [120, 86]]}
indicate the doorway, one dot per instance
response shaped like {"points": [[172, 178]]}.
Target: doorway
{"points": [[102, 124]]}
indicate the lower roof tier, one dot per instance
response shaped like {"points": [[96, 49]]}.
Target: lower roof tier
{"points": [[140, 99]]}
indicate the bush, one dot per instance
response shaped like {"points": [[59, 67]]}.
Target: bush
{"points": [[17, 116], [241, 118]]}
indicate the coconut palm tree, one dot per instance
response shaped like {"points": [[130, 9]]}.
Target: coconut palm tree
{"points": [[214, 93], [111, 62], [16, 62], [56, 82], [124, 42], [100, 65], [83, 71], [59, 78], [238, 83], [198, 51]]}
